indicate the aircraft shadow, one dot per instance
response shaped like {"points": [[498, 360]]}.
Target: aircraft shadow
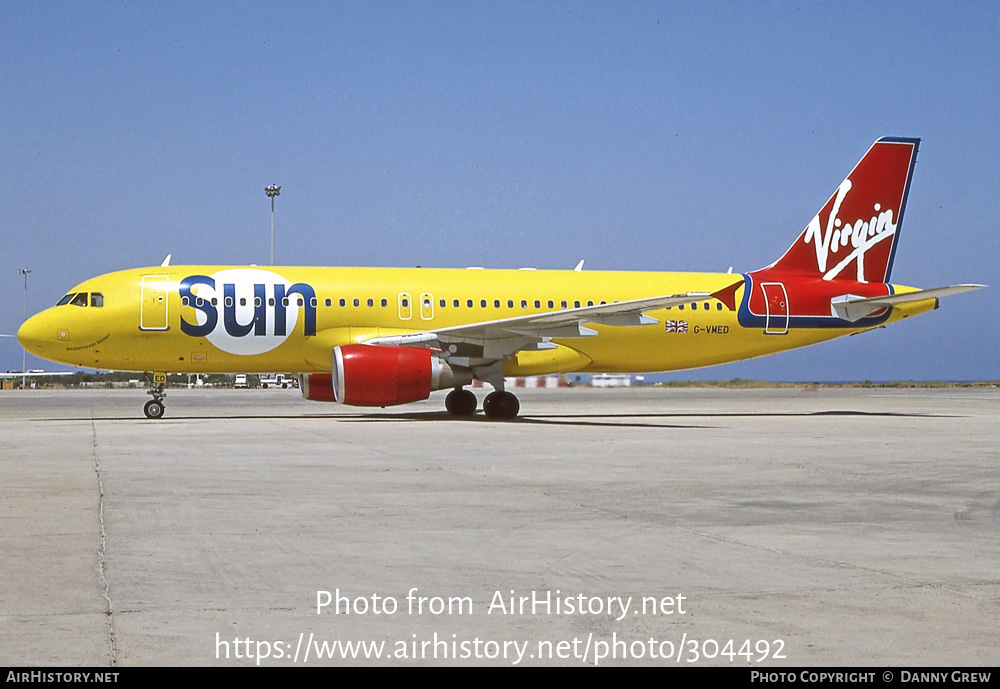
{"points": [[628, 420], [595, 420]]}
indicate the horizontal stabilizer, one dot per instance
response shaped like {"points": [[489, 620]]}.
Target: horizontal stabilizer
{"points": [[850, 307]]}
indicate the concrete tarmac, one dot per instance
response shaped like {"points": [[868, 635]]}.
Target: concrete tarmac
{"points": [[648, 526]]}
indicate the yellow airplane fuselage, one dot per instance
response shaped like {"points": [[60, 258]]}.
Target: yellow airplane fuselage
{"points": [[185, 319]]}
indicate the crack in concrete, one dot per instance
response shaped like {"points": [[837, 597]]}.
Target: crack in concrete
{"points": [[101, 552]]}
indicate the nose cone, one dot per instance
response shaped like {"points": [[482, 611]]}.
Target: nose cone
{"points": [[36, 334]]}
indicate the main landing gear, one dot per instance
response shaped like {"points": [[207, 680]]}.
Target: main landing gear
{"points": [[460, 402], [497, 405], [500, 404], [153, 409]]}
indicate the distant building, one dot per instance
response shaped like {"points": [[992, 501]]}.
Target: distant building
{"points": [[611, 380]]}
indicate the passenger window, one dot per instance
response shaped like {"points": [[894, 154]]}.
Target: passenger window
{"points": [[496, 303], [427, 306], [681, 307], [343, 302], [706, 306], [257, 302], [97, 299], [482, 303], [329, 302], [385, 302], [456, 303], [312, 302], [590, 303], [469, 303], [524, 303], [357, 302], [403, 302], [551, 303], [229, 301], [563, 302], [79, 300], [443, 302], [538, 304], [371, 302], [576, 304], [185, 301], [718, 307]]}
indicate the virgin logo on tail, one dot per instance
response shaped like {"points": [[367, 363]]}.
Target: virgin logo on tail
{"points": [[862, 235], [859, 225]]}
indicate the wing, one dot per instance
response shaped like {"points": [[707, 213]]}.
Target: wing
{"points": [[493, 340], [36, 374]]}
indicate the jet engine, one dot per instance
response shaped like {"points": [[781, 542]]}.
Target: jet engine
{"points": [[382, 375]]}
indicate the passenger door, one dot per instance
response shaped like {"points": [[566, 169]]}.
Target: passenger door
{"points": [[153, 304]]}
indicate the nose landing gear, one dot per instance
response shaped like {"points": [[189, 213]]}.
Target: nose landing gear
{"points": [[153, 409]]}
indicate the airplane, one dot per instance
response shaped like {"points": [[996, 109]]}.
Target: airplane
{"points": [[387, 336]]}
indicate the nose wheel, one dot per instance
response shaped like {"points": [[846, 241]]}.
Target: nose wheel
{"points": [[153, 409]]}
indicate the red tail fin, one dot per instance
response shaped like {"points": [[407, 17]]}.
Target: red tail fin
{"points": [[854, 235]]}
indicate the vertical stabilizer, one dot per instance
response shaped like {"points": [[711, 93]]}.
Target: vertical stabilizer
{"points": [[854, 235]]}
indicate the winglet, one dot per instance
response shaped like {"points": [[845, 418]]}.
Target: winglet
{"points": [[579, 266], [166, 261]]}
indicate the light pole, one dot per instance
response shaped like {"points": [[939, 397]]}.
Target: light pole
{"points": [[271, 192], [24, 362]]}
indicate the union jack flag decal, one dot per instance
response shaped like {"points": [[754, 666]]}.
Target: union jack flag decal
{"points": [[676, 326]]}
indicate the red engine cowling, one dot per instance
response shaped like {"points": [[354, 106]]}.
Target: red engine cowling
{"points": [[377, 375], [382, 375]]}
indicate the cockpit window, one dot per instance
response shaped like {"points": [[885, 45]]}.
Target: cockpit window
{"points": [[82, 299]]}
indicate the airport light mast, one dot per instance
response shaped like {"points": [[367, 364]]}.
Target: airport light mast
{"points": [[24, 353], [272, 191]]}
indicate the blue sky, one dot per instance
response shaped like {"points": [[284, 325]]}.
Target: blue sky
{"points": [[635, 135]]}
